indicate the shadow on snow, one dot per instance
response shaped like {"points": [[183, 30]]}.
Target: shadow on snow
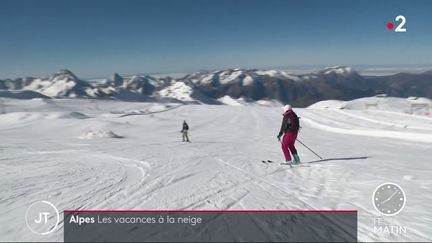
{"points": [[332, 159]]}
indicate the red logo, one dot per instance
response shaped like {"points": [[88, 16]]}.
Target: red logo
{"points": [[390, 25]]}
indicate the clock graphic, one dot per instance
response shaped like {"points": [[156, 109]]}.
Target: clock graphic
{"points": [[389, 199]]}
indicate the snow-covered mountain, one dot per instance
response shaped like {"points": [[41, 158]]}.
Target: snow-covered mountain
{"points": [[216, 87], [333, 82], [17, 84], [116, 80], [145, 85], [66, 84], [178, 90], [249, 76], [337, 70], [245, 77]]}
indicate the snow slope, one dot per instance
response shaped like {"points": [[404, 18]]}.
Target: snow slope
{"points": [[228, 100], [43, 158], [382, 104]]}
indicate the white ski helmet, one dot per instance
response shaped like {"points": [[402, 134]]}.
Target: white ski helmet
{"points": [[286, 108]]}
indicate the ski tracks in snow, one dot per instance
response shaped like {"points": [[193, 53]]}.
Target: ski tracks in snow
{"points": [[254, 179], [139, 165]]}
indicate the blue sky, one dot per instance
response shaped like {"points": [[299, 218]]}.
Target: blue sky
{"points": [[95, 38]]}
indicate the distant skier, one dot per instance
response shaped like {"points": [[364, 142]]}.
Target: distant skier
{"points": [[290, 127], [184, 132]]}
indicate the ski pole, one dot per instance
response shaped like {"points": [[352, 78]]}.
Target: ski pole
{"points": [[309, 149]]}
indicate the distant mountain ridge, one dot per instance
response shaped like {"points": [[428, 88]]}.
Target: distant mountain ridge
{"points": [[339, 82]]}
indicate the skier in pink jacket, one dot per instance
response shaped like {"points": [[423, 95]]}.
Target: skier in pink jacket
{"points": [[290, 127]]}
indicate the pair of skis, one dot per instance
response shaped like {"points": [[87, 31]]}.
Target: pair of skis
{"points": [[272, 162], [269, 162]]}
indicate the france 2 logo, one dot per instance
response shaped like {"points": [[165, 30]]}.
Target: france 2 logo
{"points": [[400, 28]]}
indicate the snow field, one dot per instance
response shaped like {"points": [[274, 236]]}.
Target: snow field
{"points": [[150, 168]]}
